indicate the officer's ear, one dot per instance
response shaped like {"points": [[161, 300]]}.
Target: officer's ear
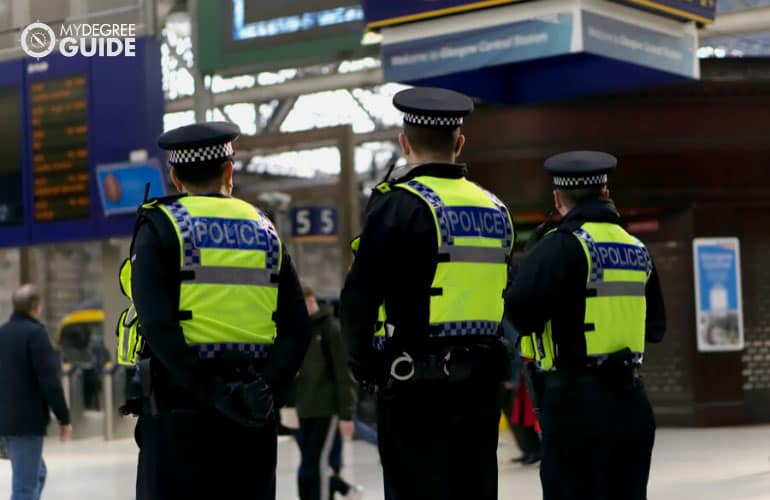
{"points": [[227, 176], [403, 140], [175, 180], [459, 145], [558, 203], [605, 193]]}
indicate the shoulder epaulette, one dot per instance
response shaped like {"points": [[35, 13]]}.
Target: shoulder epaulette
{"points": [[154, 202], [383, 187]]}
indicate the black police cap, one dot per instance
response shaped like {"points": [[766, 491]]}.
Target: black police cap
{"points": [[199, 143], [580, 169], [433, 107]]}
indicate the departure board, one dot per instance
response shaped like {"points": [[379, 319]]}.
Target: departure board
{"points": [[59, 136], [11, 180]]}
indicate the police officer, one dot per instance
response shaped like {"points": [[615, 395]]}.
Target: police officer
{"points": [[223, 323], [433, 251], [589, 293]]}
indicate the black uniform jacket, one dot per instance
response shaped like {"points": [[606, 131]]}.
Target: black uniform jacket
{"points": [[155, 285], [30, 378], [395, 264], [550, 285]]}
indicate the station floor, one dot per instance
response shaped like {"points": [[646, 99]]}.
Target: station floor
{"points": [[703, 464]]}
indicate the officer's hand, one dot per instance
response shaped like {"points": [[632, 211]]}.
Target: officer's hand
{"points": [[347, 427], [65, 433]]}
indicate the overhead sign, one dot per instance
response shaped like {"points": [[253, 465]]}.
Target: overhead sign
{"points": [[538, 52], [469, 50], [718, 297], [381, 13], [122, 186], [314, 223], [264, 36]]}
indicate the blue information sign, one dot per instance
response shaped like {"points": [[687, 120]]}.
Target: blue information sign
{"points": [[470, 50], [122, 185], [314, 223], [68, 115], [718, 302]]}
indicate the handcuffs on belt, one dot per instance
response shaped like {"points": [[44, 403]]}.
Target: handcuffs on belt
{"points": [[432, 367]]}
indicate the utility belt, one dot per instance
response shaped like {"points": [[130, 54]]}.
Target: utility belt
{"points": [[617, 377], [248, 396], [451, 364]]}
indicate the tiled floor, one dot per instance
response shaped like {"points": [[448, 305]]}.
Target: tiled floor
{"points": [[703, 464]]}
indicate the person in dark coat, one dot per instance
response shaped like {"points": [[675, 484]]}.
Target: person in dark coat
{"points": [[30, 388], [325, 397]]}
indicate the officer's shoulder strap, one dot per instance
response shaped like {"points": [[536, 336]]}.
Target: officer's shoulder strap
{"points": [[570, 227], [143, 213], [161, 200]]}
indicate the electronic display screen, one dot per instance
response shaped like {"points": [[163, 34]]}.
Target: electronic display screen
{"points": [[259, 10], [59, 137], [256, 23], [11, 192]]}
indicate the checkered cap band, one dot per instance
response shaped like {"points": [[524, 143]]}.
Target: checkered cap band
{"points": [[208, 153], [433, 121], [578, 182]]}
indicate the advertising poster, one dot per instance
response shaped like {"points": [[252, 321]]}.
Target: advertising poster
{"points": [[718, 301]]}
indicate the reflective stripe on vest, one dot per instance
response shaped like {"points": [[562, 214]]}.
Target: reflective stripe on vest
{"points": [[130, 342], [474, 238], [230, 257], [618, 269]]}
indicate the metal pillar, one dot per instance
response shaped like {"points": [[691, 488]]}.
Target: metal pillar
{"points": [[202, 99], [349, 212]]}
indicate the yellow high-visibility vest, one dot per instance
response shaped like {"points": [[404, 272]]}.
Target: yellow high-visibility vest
{"points": [[618, 269], [474, 240], [230, 259]]}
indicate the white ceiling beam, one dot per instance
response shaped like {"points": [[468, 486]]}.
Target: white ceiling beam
{"points": [[738, 23], [291, 88]]}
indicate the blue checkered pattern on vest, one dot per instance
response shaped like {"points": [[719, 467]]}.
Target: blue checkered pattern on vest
{"points": [[460, 328], [379, 343], [438, 207], [191, 256], [213, 351], [508, 242], [273, 257], [597, 271]]}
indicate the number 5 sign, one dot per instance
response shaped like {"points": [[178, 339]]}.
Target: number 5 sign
{"points": [[314, 223]]}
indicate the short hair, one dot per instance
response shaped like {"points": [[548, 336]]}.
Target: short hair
{"points": [[200, 174], [440, 141], [576, 196], [26, 298], [307, 291]]}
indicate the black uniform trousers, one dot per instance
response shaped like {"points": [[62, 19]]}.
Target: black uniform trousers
{"points": [[438, 440], [598, 435], [318, 475], [200, 454]]}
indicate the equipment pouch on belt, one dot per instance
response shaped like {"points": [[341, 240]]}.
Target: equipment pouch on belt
{"points": [[253, 402]]}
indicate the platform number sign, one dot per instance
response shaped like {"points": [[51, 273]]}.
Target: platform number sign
{"points": [[314, 223]]}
